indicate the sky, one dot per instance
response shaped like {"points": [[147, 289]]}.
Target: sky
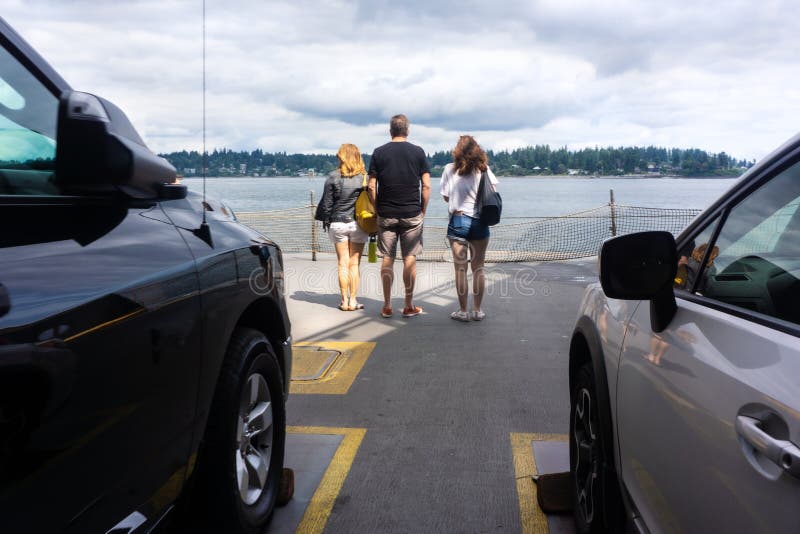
{"points": [[306, 76]]}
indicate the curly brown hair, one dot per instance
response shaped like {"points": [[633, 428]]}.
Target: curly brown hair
{"points": [[468, 156]]}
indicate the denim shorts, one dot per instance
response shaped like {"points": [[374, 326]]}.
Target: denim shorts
{"points": [[466, 228]]}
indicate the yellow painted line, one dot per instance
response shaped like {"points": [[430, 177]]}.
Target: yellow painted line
{"points": [[104, 325], [169, 491], [532, 519], [342, 374], [321, 503], [129, 315]]}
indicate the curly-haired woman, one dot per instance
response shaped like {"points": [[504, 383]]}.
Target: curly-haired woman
{"points": [[459, 187], [337, 209]]}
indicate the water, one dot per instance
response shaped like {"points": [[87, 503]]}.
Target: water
{"points": [[522, 196]]}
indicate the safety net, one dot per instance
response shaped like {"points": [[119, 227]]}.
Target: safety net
{"points": [[576, 235]]}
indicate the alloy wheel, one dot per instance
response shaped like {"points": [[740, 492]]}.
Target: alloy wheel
{"points": [[587, 447], [254, 439]]}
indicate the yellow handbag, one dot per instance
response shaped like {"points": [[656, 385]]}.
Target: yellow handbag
{"points": [[365, 214]]}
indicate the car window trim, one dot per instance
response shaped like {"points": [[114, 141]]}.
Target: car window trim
{"points": [[724, 206], [23, 52], [721, 210], [723, 217], [721, 207], [742, 313]]}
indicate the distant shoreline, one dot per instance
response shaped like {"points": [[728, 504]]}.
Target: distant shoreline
{"points": [[623, 176], [528, 176]]}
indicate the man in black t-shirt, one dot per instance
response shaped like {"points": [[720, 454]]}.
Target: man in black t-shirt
{"points": [[399, 186]]}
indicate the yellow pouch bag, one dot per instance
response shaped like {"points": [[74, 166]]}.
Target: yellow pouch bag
{"points": [[365, 214]]}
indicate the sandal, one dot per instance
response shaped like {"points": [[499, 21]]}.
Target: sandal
{"points": [[345, 308], [358, 306], [478, 315], [460, 316]]}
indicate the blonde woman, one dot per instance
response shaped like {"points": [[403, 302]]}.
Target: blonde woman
{"points": [[338, 208], [459, 188]]}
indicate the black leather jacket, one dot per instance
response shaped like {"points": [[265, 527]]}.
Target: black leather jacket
{"points": [[339, 198]]}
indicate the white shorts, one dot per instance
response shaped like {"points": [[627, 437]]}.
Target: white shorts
{"points": [[341, 232]]}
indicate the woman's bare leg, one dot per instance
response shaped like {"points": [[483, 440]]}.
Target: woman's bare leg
{"points": [[343, 258], [478, 279], [355, 271], [460, 263]]}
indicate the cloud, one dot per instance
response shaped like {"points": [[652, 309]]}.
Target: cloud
{"points": [[307, 75]]}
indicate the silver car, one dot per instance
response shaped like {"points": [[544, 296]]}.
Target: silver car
{"points": [[685, 369]]}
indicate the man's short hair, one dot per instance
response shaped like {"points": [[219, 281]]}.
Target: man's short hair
{"points": [[398, 126]]}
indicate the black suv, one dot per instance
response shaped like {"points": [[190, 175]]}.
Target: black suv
{"points": [[145, 346]]}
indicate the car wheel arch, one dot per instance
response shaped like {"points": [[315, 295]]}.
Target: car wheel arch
{"points": [[216, 432], [585, 347], [265, 316]]}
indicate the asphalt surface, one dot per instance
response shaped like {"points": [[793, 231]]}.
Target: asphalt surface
{"points": [[439, 398]]}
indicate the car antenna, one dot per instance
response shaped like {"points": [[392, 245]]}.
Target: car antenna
{"points": [[204, 232]]}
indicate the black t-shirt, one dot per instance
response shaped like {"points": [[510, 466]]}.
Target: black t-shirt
{"points": [[398, 167]]}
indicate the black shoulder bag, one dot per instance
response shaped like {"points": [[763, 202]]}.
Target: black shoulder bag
{"points": [[490, 205]]}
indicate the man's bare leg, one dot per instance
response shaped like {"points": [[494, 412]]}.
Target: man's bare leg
{"points": [[387, 278], [409, 278]]}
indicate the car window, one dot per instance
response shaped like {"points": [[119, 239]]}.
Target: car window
{"points": [[28, 117], [755, 262], [690, 258]]}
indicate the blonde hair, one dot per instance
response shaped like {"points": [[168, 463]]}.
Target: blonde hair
{"points": [[350, 160]]}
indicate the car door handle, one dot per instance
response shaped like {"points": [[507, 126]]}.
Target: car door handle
{"points": [[783, 453]]}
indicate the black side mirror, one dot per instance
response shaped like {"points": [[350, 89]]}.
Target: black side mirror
{"points": [[98, 151], [642, 266], [5, 301]]}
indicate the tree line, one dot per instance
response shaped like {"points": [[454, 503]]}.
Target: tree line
{"points": [[532, 160]]}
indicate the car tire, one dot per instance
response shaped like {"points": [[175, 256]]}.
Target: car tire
{"points": [[596, 499], [242, 456]]}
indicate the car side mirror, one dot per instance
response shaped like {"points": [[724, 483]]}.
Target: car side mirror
{"points": [[5, 301], [642, 266], [98, 151]]}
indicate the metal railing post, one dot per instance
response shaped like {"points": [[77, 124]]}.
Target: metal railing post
{"points": [[613, 214], [313, 230]]}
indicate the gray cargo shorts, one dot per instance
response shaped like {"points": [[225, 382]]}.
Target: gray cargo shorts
{"points": [[407, 229]]}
